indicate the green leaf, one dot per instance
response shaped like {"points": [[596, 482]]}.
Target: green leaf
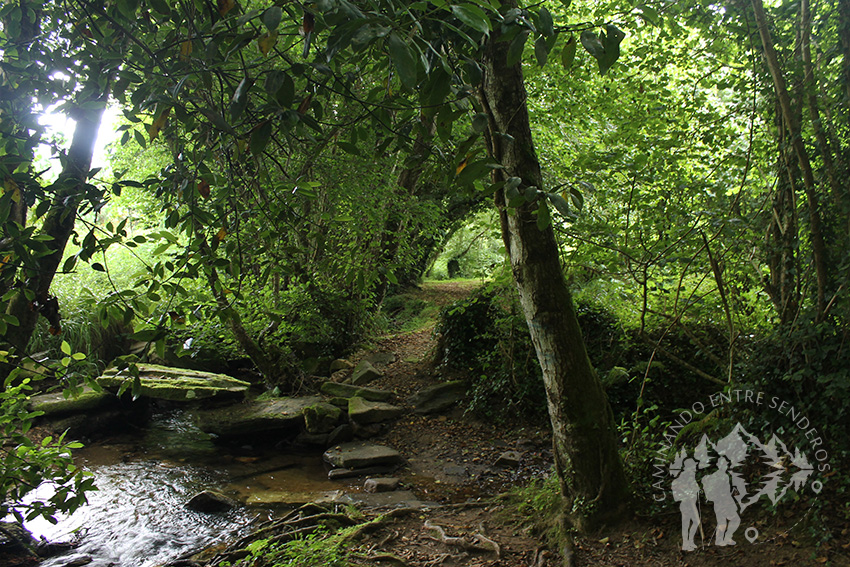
{"points": [[649, 14], [568, 54], [161, 6], [560, 205], [577, 198], [473, 16], [480, 122], [473, 72], [260, 137], [403, 60], [65, 348], [541, 51], [240, 98], [78, 356], [591, 44], [271, 17], [128, 8], [543, 217], [547, 25], [98, 267], [349, 148], [516, 48], [605, 48], [530, 194]]}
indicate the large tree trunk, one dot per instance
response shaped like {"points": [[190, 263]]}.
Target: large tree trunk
{"points": [[584, 437]]}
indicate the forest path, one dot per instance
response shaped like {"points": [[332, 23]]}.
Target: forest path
{"points": [[451, 460]]}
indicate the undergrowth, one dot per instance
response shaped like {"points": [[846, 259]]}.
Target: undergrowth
{"points": [[541, 510]]}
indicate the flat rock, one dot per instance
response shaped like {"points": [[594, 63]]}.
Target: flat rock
{"points": [[381, 484], [363, 412], [380, 358], [350, 391], [364, 373], [56, 403], [438, 397], [175, 384], [359, 455], [255, 417], [270, 497]]}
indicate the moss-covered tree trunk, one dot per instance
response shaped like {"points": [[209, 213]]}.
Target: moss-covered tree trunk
{"points": [[584, 437]]}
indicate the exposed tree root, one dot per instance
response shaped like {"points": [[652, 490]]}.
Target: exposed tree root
{"points": [[486, 544]]}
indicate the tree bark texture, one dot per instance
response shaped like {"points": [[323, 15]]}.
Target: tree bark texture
{"points": [[584, 437]]}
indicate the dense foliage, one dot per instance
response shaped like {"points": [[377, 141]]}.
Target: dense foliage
{"points": [[281, 168]]}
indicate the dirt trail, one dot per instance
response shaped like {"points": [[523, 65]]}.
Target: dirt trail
{"points": [[451, 460]]}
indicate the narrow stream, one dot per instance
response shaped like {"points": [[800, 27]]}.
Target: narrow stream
{"points": [[137, 517]]}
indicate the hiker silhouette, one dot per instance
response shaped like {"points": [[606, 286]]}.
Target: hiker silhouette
{"points": [[686, 490], [718, 489]]}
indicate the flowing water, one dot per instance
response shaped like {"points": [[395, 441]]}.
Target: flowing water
{"points": [[137, 517]]}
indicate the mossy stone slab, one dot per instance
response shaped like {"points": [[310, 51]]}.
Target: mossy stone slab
{"points": [[255, 417], [363, 412], [55, 403], [339, 390], [358, 455], [175, 384]]}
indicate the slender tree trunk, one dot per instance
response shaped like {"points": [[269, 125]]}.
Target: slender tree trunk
{"points": [[796, 134], [258, 356], [584, 437], [811, 87], [58, 224]]}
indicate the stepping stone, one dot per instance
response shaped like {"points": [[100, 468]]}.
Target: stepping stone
{"points": [[175, 384], [364, 373], [55, 403], [359, 455], [387, 484], [363, 412], [256, 417], [350, 390], [438, 397]]}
